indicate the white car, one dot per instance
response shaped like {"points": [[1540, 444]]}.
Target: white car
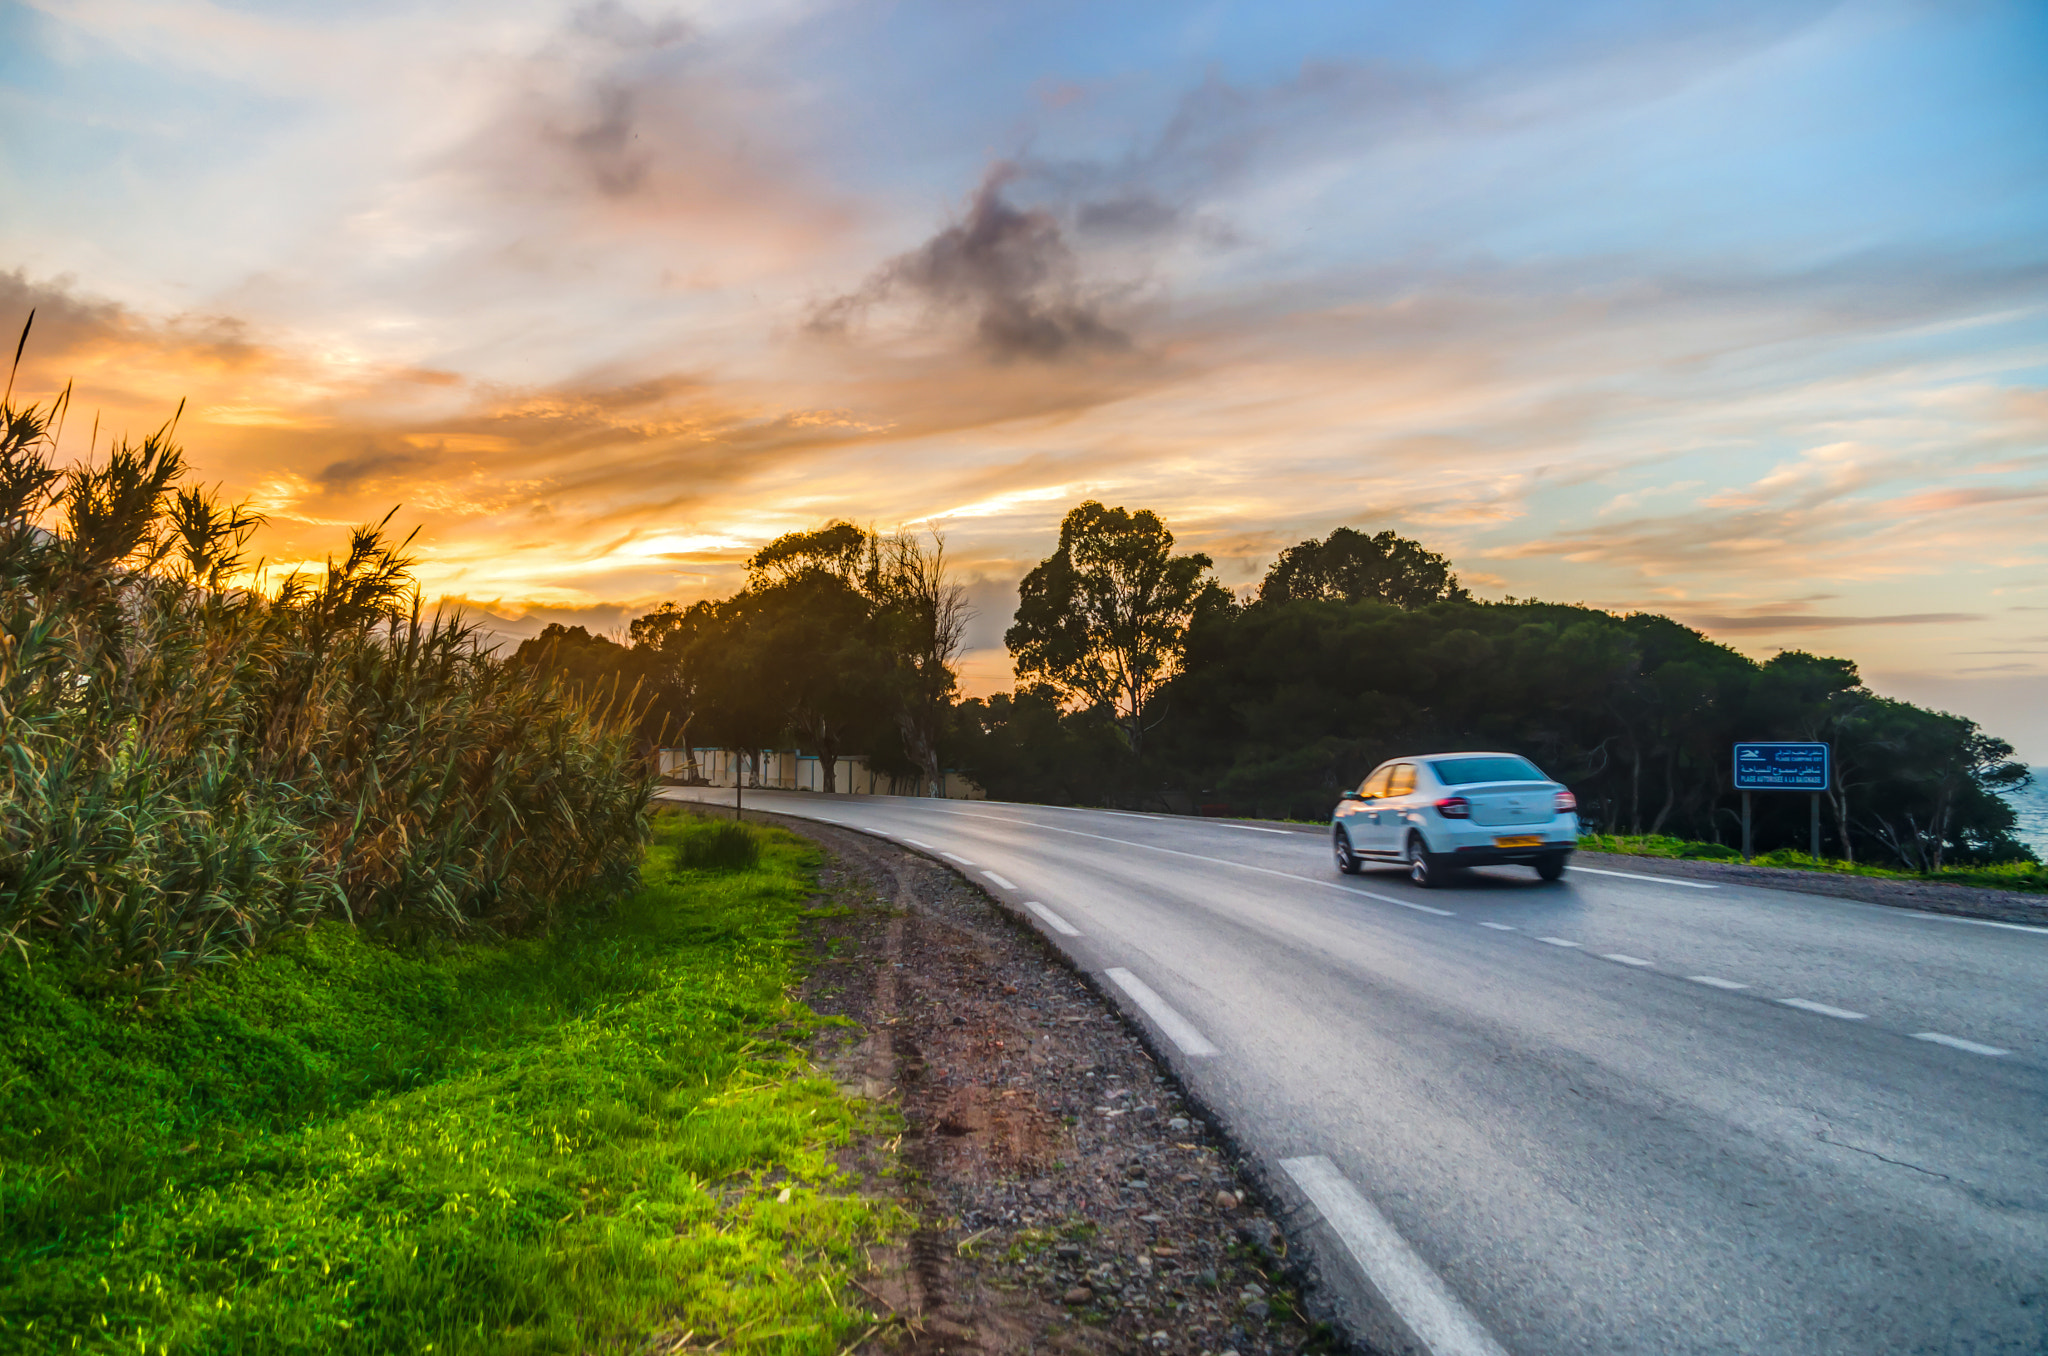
{"points": [[1441, 811]]}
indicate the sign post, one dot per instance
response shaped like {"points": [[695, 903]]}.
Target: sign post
{"points": [[1781, 766]]}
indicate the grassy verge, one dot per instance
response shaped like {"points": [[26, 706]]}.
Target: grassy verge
{"points": [[563, 1144], [2029, 876]]}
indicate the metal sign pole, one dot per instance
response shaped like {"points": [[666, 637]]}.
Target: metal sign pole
{"points": [[1816, 826], [1745, 826]]}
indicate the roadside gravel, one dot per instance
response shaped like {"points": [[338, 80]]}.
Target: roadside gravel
{"points": [[1067, 1199]]}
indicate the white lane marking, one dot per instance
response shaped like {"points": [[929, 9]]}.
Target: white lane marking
{"points": [[1625, 959], [954, 856], [1808, 1005], [926, 846], [1556, 941], [1176, 852], [1499, 927], [1006, 884], [1252, 828], [1415, 1293], [1656, 880], [1052, 920], [1178, 1029], [1715, 982], [1411, 904], [1958, 1043], [1977, 922]]}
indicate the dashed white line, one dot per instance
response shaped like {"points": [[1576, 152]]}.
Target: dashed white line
{"points": [[954, 856], [1958, 1043], [1977, 922], [1656, 880], [1417, 1294], [1411, 904], [926, 846], [1178, 1029], [1714, 981], [1007, 885], [1251, 828], [1555, 941], [1621, 958], [1808, 1005], [1052, 920], [1499, 927]]}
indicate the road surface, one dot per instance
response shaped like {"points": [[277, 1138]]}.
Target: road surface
{"points": [[1613, 1114]]}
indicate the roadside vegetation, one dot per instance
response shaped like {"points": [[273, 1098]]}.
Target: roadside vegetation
{"points": [[2011, 875], [1146, 684], [602, 1138], [192, 763]]}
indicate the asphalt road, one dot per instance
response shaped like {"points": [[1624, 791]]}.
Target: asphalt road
{"points": [[1605, 1115]]}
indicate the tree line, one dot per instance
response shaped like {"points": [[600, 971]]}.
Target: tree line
{"points": [[1144, 683]]}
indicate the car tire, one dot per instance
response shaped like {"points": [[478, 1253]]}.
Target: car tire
{"points": [[1347, 860], [1425, 868], [1552, 866]]}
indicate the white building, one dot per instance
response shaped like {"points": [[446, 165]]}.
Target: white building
{"points": [[788, 770]]}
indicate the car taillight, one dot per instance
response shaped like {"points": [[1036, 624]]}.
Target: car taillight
{"points": [[1566, 802], [1454, 807]]}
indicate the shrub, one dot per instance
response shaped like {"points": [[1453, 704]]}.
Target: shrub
{"points": [[719, 845]]}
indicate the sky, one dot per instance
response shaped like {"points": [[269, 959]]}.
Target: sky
{"points": [[1736, 312]]}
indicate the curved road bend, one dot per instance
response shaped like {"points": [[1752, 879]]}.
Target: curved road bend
{"points": [[1608, 1115]]}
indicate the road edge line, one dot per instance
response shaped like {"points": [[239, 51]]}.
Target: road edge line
{"points": [[1416, 1294], [1178, 1029]]}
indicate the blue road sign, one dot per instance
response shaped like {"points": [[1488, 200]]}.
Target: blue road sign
{"points": [[1781, 767]]}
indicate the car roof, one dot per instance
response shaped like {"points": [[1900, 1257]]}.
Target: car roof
{"points": [[1462, 753]]}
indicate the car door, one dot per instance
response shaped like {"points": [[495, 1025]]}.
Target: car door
{"points": [[1368, 831], [1391, 824]]}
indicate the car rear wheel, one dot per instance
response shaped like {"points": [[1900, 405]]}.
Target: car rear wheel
{"points": [[1425, 868], [1347, 860], [1551, 867]]}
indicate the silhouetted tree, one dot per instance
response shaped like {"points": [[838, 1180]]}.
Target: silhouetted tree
{"points": [[1103, 620], [1349, 567]]}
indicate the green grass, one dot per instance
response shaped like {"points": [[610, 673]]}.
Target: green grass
{"points": [[2027, 876], [561, 1144]]}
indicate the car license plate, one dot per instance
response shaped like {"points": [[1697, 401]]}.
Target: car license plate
{"points": [[1520, 840]]}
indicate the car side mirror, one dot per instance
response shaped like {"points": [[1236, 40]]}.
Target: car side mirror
{"points": [[1353, 795]]}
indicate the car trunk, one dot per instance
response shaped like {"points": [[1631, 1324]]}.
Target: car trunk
{"points": [[1506, 804]]}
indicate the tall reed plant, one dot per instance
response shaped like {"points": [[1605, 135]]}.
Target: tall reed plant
{"points": [[189, 763]]}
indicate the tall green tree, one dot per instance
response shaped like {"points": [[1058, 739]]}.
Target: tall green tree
{"points": [[675, 642], [1104, 619], [1349, 567]]}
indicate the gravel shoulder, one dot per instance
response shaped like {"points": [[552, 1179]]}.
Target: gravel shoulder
{"points": [[1066, 1198]]}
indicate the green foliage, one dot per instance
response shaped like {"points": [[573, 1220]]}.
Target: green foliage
{"points": [[556, 1144], [1104, 620], [1350, 567], [843, 641], [722, 845], [187, 768]]}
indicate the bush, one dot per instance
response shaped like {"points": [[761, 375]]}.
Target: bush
{"points": [[189, 764], [718, 845]]}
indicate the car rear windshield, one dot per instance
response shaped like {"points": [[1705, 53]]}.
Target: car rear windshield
{"points": [[1465, 771]]}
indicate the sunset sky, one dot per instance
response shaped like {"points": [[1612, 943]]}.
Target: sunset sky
{"points": [[1736, 312]]}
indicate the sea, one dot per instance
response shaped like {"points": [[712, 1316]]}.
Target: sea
{"points": [[2030, 803]]}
